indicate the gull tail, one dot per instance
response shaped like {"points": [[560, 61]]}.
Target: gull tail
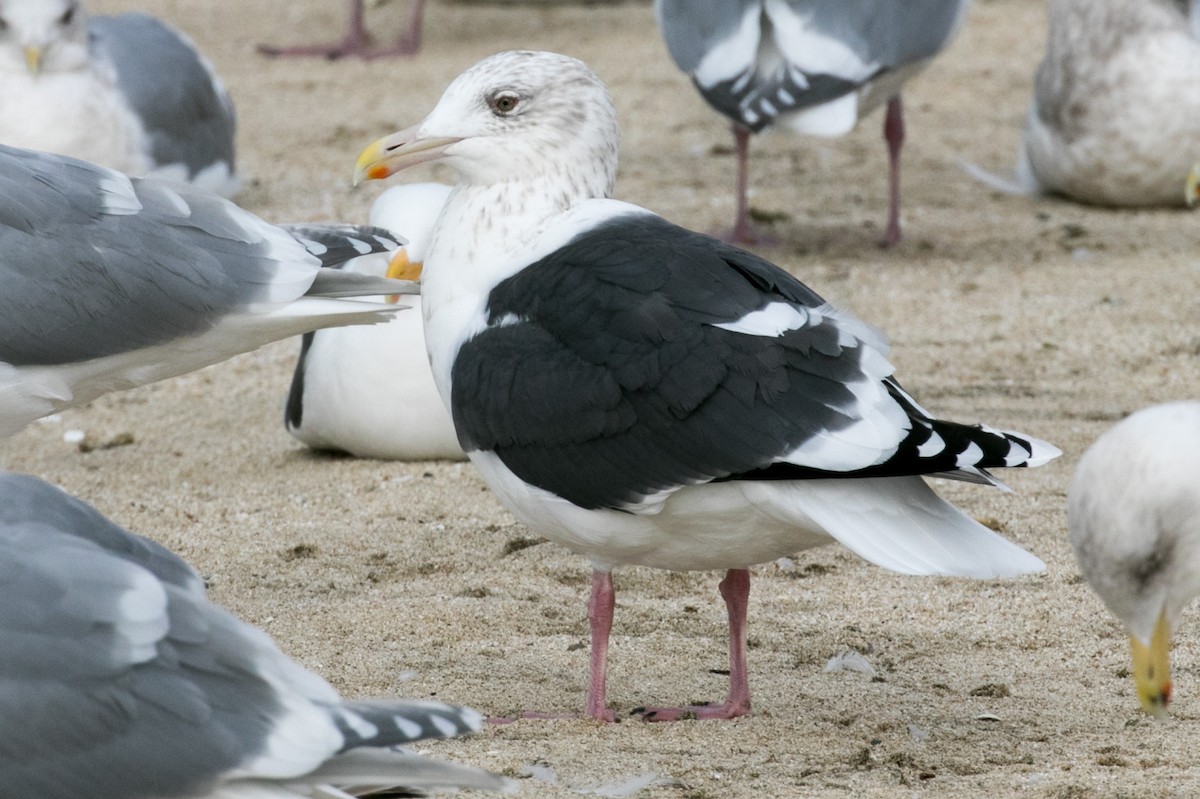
{"points": [[1021, 181], [395, 772], [335, 283], [901, 524], [335, 244], [378, 723]]}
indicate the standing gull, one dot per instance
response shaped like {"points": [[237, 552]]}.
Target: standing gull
{"points": [[1115, 116], [368, 391], [127, 92], [111, 282], [647, 395], [812, 66], [1134, 520], [120, 680], [357, 42]]}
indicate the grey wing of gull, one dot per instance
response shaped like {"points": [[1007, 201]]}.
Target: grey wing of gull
{"points": [[182, 106], [96, 264], [692, 28], [767, 57], [114, 683], [890, 34]]}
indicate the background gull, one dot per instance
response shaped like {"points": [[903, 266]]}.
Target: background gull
{"points": [[1115, 115], [357, 42], [647, 395], [368, 391], [128, 683], [112, 282], [1134, 522], [128, 92], [812, 66]]}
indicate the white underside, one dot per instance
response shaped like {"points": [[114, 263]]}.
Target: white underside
{"points": [[76, 113], [894, 522], [839, 116], [369, 391]]}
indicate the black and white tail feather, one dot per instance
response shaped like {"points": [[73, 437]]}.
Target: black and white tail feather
{"points": [[338, 243]]}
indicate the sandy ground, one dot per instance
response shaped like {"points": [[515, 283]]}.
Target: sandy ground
{"points": [[404, 579]]}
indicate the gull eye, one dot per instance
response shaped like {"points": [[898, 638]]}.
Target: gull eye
{"points": [[67, 15], [504, 103]]}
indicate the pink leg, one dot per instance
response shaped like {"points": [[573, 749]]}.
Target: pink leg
{"points": [[893, 133], [735, 590], [600, 618], [356, 41]]}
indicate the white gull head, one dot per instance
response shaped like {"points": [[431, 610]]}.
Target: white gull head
{"points": [[42, 35], [533, 118]]}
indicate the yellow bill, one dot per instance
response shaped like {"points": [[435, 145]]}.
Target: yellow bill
{"points": [[1152, 668], [400, 268]]}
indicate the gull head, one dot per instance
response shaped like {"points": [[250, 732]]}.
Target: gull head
{"points": [[42, 35], [514, 116], [1133, 519]]}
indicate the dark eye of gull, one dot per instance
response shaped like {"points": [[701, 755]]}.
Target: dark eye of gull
{"points": [[67, 16], [503, 103]]}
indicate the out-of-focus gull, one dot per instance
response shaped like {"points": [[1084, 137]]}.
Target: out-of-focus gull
{"points": [[646, 395], [1115, 116], [811, 66], [1134, 520], [368, 391], [128, 92], [129, 684], [111, 282], [357, 42]]}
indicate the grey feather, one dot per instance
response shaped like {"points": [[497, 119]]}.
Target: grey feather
{"points": [[129, 684], [339, 283], [186, 113]]}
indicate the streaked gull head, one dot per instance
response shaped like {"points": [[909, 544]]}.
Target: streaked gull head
{"points": [[516, 115]]}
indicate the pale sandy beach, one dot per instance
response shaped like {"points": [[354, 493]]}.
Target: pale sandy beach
{"points": [[410, 579]]}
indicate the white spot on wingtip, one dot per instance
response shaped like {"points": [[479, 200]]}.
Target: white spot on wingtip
{"points": [[407, 726], [445, 726]]}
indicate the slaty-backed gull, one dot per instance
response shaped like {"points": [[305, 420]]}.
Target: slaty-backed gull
{"points": [[111, 282], [128, 92], [812, 66], [1134, 521], [357, 42], [647, 395], [120, 680], [368, 391], [1115, 115]]}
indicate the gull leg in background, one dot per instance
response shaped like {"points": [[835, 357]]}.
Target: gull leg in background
{"points": [[893, 134]]}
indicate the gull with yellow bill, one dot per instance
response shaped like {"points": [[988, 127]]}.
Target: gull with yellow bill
{"points": [[1134, 521]]}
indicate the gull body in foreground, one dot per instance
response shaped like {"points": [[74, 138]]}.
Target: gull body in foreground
{"points": [[1134, 521], [811, 66], [1115, 115], [129, 684], [368, 391], [112, 282], [127, 91], [647, 395]]}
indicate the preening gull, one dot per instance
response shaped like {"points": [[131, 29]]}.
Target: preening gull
{"points": [[812, 66], [127, 683], [1115, 116], [368, 391], [1134, 520], [128, 92], [111, 282], [357, 42], [643, 394]]}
